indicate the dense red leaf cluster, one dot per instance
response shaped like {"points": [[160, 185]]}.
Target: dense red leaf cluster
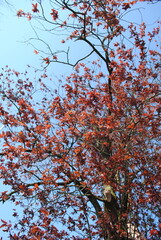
{"points": [[85, 164]]}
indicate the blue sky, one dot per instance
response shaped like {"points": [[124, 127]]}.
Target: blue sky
{"points": [[14, 32]]}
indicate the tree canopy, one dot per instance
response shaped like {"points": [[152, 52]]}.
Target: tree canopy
{"points": [[83, 160]]}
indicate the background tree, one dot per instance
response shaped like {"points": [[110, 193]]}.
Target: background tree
{"points": [[85, 164]]}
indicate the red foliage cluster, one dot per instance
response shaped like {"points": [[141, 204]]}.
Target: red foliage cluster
{"points": [[54, 14], [88, 160]]}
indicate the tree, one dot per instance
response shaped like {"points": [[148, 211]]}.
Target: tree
{"points": [[85, 164]]}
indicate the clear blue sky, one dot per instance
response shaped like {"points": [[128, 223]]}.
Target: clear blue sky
{"points": [[13, 32], [17, 54]]}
